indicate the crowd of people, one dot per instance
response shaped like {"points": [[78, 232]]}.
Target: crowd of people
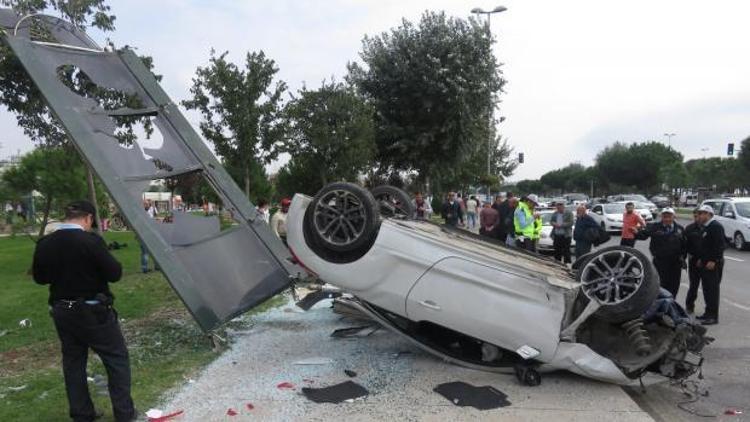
{"points": [[517, 222]]}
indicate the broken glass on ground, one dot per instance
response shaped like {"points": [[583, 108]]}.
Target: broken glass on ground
{"points": [[338, 393], [463, 394]]}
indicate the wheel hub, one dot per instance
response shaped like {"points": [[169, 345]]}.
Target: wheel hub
{"points": [[612, 277]]}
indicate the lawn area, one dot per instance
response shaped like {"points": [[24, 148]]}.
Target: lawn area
{"points": [[166, 346]]}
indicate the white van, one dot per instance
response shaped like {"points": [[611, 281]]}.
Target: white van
{"points": [[734, 215]]}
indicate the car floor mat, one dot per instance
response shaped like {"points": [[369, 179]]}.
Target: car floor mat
{"points": [[463, 394], [338, 393]]}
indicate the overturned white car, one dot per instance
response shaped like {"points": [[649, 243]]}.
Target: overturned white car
{"points": [[486, 306]]}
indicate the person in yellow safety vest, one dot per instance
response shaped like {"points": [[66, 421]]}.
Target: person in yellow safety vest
{"points": [[523, 222], [537, 231]]}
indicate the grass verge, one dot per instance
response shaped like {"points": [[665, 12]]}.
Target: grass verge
{"points": [[166, 346]]}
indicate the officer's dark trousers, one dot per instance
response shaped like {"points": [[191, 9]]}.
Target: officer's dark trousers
{"points": [[711, 281], [562, 248], [694, 274], [670, 271], [80, 328], [582, 248]]}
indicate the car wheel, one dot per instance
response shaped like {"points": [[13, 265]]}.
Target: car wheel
{"points": [[393, 202], [341, 222], [622, 280], [739, 241]]}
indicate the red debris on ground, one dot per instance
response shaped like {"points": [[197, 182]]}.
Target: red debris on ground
{"points": [[733, 412], [231, 412], [250, 406], [166, 418], [285, 386], [309, 381]]}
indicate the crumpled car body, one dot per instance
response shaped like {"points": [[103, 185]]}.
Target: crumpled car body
{"points": [[428, 283]]}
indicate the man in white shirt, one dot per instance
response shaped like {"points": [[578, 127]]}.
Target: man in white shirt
{"points": [[278, 221], [471, 212]]}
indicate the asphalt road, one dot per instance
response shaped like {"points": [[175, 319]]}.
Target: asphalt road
{"points": [[727, 360]]}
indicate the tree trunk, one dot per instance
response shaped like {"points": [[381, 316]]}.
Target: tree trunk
{"points": [[247, 182], [92, 198], [45, 215]]}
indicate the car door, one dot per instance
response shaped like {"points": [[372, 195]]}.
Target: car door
{"points": [[729, 220], [219, 266], [597, 213], [507, 308]]}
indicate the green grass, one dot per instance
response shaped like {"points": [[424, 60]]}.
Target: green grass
{"points": [[166, 346]]}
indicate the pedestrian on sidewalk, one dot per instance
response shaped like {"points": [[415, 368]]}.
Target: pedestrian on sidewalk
{"points": [[452, 212], [582, 231], [694, 237], [489, 221], [562, 221], [632, 222], [668, 248], [711, 263], [472, 206]]}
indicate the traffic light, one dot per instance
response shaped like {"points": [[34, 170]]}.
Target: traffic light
{"points": [[520, 158], [730, 149]]}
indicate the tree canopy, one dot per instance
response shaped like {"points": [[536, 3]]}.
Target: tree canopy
{"points": [[241, 110], [434, 86]]}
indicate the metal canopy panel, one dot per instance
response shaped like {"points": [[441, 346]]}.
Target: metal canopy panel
{"points": [[218, 275]]}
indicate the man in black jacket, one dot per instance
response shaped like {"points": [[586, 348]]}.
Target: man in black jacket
{"points": [[711, 263], [78, 267], [668, 248], [694, 236], [452, 212]]}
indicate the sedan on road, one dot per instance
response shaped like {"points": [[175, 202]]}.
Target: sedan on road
{"points": [[609, 216]]}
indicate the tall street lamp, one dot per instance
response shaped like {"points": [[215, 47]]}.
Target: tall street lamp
{"points": [[669, 138], [479, 11]]}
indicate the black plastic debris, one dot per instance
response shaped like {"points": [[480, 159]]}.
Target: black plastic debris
{"points": [[311, 299], [463, 394], [338, 393], [358, 331], [350, 373]]}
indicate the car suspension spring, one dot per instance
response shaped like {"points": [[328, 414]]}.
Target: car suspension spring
{"points": [[638, 336]]}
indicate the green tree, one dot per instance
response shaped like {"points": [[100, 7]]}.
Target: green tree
{"points": [[744, 155], [638, 165], [57, 173], [297, 176], [241, 110], [331, 133], [525, 187], [434, 87], [573, 177]]}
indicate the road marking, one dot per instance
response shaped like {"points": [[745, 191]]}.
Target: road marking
{"points": [[737, 305], [731, 258]]}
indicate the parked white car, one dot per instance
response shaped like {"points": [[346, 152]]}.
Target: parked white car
{"points": [[545, 243], [483, 305], [734, 215], [609, 216]]}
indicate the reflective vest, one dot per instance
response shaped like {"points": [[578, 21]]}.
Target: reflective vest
{"points": [[527, 231], [537, 228]]}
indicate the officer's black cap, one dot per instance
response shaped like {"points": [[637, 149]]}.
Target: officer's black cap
{"points": [[83, 206]]}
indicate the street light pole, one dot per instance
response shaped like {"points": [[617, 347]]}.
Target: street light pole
{"points": [[669, 138], [479, 11]]}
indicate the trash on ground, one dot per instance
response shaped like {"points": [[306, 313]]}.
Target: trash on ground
{"points": [[231, 412], [156, 415], [250, 406], [19, 388], [308, 380], [338, 393], [285, 386], [350, 373], [25, 323], [359, 331], [463, 394], [3, 332], [732, 412], [314, 361]]}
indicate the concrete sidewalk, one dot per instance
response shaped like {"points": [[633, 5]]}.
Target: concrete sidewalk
{"points": [[400, 384]]}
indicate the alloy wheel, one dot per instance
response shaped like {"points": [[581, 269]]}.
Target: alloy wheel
{"points": [[612, 277], [340, 217]]}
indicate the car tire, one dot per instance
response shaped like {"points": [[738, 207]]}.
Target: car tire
{"points": [[393, 202], [739, 242], [622, 279], [341, 222]]}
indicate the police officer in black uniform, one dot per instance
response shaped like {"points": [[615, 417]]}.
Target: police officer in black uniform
{"points": [[694, 237], [711, 263], [78, 267], [668, 248]]}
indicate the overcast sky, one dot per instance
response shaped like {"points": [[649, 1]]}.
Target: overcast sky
{"points": [[581, 74]]}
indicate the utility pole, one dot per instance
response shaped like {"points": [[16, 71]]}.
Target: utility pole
{"points": [[479, 11]]}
